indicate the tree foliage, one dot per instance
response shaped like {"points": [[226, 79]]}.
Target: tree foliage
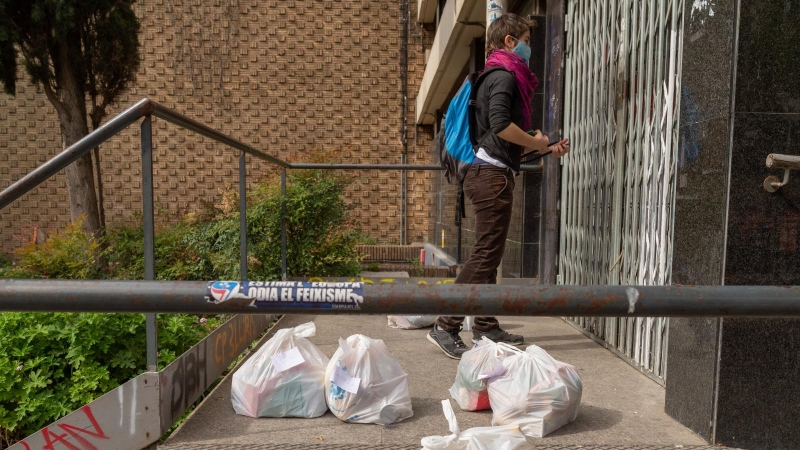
{"points": [[101, 37], [78, 52]]}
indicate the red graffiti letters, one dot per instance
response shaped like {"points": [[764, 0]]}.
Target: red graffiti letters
{"points": [[78, 434]]}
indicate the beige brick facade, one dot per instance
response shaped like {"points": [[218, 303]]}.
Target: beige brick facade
{"points": [[288, 77]]}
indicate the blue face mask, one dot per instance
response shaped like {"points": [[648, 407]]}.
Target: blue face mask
{"points": [[523, 50]]}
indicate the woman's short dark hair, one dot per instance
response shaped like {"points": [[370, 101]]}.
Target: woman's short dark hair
{"points": [[507, 24]]}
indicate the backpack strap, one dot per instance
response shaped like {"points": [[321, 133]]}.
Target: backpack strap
{"points": [[461, 210]]}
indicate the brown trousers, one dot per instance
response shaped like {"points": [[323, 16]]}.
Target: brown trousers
{"points": [[490, 189]]}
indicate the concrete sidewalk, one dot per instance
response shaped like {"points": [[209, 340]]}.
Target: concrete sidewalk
{"points": [[620, 408]]}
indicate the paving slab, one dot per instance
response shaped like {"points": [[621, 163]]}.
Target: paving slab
{"points": [[324, 446], [620, 408]]}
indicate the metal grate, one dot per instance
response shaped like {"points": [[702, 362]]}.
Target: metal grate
{"points": [[622, 95]]}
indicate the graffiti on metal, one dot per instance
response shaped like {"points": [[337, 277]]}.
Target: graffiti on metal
{"points": [[377, 280], [125, 419], [287, 294], [186, 378]]}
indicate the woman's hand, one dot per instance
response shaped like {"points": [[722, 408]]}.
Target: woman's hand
{"points": [[515, 135], [536, 142], [539, 143], [561, 148]]}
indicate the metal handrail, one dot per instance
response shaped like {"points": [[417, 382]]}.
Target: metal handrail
{"points": [[142, 108], [147, 107]]}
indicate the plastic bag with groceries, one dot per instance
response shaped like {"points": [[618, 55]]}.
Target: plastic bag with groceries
{"points": [[536, 392], [284, 378], [477, 365], [364, 383]]}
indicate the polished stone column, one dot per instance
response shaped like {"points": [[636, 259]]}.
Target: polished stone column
{"points": [[735, 381]]}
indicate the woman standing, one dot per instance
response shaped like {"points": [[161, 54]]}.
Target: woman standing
{"points": [[503, 113]]}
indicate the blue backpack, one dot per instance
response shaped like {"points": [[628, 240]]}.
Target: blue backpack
{"points": [[457, 139]]}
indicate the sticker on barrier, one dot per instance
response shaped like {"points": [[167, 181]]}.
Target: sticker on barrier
{"points": [[287, 294]]}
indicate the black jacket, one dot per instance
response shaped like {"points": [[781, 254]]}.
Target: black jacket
{"points": [[497, 105]]}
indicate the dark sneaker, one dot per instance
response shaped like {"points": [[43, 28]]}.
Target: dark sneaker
{"points": [[449, 342], [498, 335]]}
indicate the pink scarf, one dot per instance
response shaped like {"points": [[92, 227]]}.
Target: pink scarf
{"points": [[526, 80]]}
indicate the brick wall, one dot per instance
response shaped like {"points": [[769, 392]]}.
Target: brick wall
{"points": [[289, 77]]}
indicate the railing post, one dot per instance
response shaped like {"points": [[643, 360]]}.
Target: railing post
{"points": [[283, 224], [148, 223], [243, 215]]}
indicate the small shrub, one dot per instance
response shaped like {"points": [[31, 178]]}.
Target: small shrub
{"points": [[321, 237], [68, 254], [416, 268], [5, 265], [366, 239], [177, 257]]}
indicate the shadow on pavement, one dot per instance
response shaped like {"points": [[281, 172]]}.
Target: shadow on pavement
{"points": [[590, 418]]}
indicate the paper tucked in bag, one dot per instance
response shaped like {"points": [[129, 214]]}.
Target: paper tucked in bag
{"points": [[287, 360], [506, 437], [483, 361], [368, 386], [345, 381], [536, 392], [284, 378]]}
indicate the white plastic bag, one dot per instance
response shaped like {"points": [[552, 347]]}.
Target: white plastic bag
{"points": [[480, 363], [284, 378], [506, 437], [411, 322], [365, 384], [536, 392]]}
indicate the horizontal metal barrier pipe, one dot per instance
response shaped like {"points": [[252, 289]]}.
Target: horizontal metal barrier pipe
{"points": [[451, 299], [146, 107], [524, 168], [75, 151], [181, 120]]}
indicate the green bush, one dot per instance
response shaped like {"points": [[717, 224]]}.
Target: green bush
{"points": [[321, 237], [5, 265], [176, 256], [54, 363], [69, 254]]}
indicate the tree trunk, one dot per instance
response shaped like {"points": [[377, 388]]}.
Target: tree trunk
{"points": [[80, 182], [72, 116]]}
